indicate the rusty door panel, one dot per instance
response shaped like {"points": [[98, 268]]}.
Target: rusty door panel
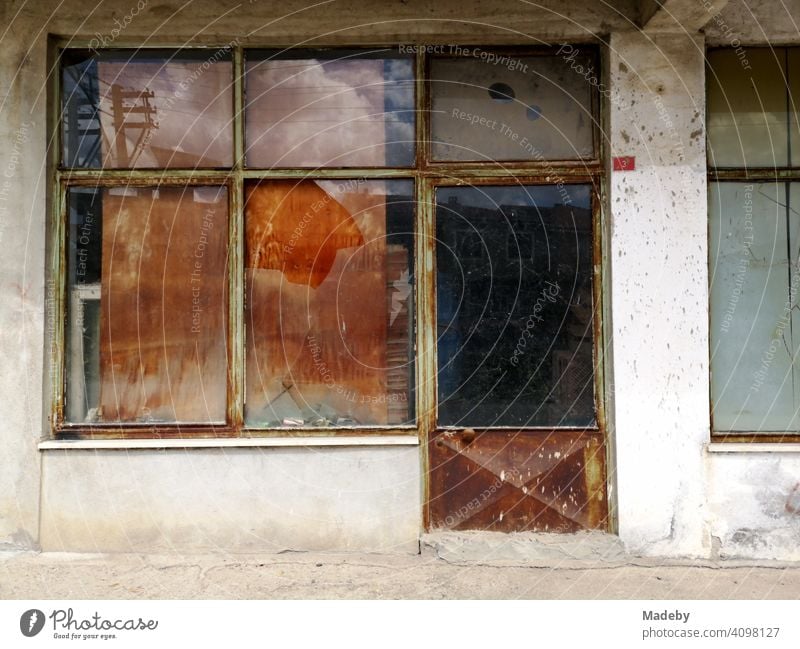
{"points": [[506, 481]]}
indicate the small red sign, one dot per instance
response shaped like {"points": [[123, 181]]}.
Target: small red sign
{"points": [[624, 163]]}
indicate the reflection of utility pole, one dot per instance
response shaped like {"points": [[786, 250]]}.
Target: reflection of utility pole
{"points": [[122, 120]]}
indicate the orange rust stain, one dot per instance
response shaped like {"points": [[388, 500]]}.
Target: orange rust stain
{"points": [[297, 228]]}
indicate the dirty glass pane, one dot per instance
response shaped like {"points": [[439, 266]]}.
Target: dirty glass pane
{"points": [[146, 305], [752, 346], [514, 306], [329, 303], [145, 109], [512, 108], [747, 109], [332, 108]]}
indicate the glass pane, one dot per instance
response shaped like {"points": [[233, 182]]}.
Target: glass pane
{"points": [[751, 332], [794, 104], [147, 305], [514, 306], [793, 211], [338, 108], [514, 108], [747, 114], [147, 109], [329, 304]]}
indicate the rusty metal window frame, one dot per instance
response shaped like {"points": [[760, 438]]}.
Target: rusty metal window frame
{"points": [[426, 174], [744, 175]]}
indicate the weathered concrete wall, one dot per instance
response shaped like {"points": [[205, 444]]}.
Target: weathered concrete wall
{"points": [[755, 22], [232, 500], [754, 505], [659, 292], [23, 187], [78, 488], [674, 499], [295, 22]]}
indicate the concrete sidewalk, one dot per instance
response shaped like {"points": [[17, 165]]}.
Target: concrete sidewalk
{"points": [[294, 575]]}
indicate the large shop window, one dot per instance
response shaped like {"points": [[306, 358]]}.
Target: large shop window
{"points": [[254, 241], [754, 229]]}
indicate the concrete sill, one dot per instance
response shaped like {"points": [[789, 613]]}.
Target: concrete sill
{"points": [[113, 444], [753, 447]]}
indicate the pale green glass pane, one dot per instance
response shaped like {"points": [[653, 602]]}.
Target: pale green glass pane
{"points": [[747, 114], [793, 209], [751, 333]]}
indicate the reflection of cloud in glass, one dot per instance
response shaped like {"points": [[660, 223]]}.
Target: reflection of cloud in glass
{"points": [[186, 121], [341, 112]]}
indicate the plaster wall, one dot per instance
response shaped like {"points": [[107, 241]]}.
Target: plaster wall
{"points": [[673, 498], [232, 500]]}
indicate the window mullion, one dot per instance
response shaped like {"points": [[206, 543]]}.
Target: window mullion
{"points": [[236, 328]]}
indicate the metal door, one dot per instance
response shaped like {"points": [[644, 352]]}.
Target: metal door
{"points": [[518, 443]]}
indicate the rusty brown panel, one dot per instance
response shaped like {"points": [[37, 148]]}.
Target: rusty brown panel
{"points": [[502, 480], [319, 337], [163, 306]]}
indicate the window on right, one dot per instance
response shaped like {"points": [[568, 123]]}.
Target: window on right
{"points": [[754, 241]]}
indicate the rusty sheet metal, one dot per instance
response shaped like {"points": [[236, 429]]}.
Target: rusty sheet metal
{"points": [[513, 481], [162, 335], [320, 256]]}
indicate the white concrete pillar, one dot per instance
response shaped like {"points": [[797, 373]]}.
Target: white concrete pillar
{"points": [[659, 290]]}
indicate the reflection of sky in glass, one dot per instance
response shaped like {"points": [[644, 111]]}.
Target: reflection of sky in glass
{"points": [[341, 112], [187, 122]]}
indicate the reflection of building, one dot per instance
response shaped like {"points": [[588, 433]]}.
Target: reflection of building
{"points": [[493, 265]]}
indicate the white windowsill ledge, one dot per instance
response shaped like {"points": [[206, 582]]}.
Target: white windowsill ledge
{"points": [[753, 447], [240, 442]]}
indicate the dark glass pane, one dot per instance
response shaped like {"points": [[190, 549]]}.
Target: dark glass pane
{"points": [[84, 251], [147, 109], [514, 306], [329, 303], [512, 108], [338, 108], [147, 305]]}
